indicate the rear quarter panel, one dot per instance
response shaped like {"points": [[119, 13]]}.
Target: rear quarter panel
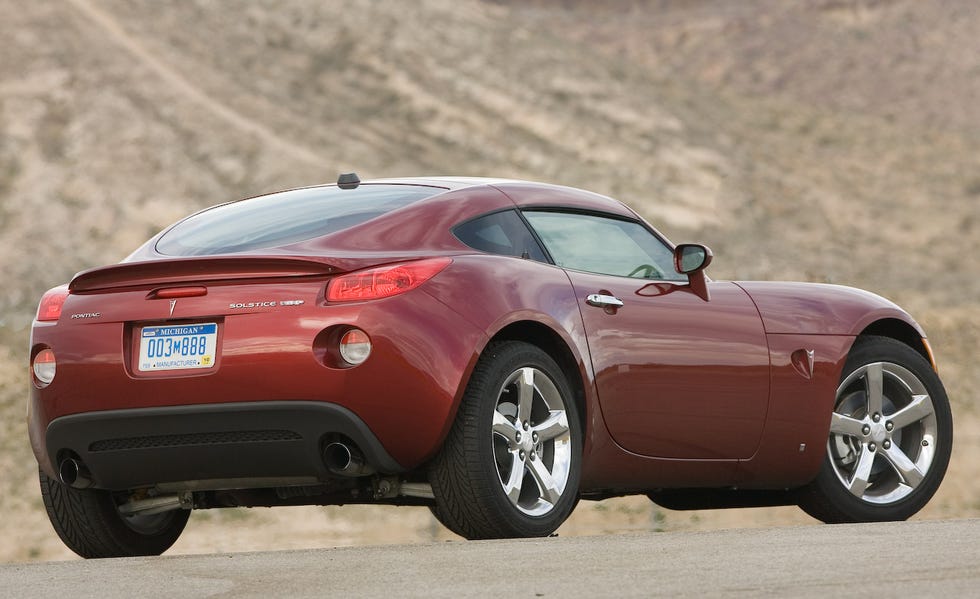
{"points": [[493, 292]]}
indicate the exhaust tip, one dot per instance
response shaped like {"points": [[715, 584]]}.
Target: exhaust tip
{"points": [[74, 474], [338, 457], [343, 459]]}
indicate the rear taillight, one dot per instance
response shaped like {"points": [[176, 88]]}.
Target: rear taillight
{"points": [[51, 303], [44, 367], [385, 281]]}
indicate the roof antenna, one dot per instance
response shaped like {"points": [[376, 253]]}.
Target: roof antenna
{"points": [[348, 181]]}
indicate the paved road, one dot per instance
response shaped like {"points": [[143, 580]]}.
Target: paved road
{"points": [[929, 559]]}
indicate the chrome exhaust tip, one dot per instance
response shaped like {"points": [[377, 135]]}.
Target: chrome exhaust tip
{"points": [[345, 460], [73, 473]]}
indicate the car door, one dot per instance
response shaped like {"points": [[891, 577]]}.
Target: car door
{"points": [[677, 376]]}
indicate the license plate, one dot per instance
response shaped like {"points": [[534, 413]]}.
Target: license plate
{"points": [[178, 347]]}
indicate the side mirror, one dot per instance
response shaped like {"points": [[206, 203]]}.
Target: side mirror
{"points": [[691, 259]]}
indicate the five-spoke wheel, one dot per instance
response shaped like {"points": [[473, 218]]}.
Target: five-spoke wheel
{"points": [[890, 437], [532, 441], [510, 466], [884, 418]]}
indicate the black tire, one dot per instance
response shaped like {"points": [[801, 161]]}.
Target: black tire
{"points": [[489, 442], [89, 523], [883, 468]]}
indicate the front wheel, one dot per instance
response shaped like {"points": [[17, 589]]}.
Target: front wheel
{"points": [[891, 435], [90, 524], [511, 462]]}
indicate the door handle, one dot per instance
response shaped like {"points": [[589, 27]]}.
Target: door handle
{"points": [[604, 301]]}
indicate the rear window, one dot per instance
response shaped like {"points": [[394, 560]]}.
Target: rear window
{"points": [[284, 218]]}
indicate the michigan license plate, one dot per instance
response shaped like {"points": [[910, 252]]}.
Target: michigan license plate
{"points": [[178, 347]]}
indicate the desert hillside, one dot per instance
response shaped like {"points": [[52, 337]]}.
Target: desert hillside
{"points": [[824, 140]]}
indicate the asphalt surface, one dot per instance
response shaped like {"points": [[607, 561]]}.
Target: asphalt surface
{"points": [[928, 559]]}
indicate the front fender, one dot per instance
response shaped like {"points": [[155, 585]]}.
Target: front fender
{"points": [[819, 309]]}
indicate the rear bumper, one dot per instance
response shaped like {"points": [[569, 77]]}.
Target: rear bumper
{"points": [[272, 440]]}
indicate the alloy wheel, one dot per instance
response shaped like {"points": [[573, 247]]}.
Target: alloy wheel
{"points": [[531, 441], [883, 433]]}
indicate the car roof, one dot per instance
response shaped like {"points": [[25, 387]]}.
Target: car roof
{"points": [[448, 182], [523, 193]]}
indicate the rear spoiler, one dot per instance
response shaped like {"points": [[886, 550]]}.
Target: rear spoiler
{"points": [[194, 270]]}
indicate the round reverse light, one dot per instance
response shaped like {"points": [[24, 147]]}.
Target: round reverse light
{"points": [[44, 366], [355, 347]]}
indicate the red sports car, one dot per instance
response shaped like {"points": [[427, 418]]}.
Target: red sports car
{"points": [[493, 349]]}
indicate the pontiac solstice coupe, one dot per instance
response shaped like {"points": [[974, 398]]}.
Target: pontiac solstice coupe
{"points": [[495, 350]]}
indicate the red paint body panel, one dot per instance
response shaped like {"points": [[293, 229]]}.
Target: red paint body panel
{"points": [[675, 391], [678, 377], [189, 270], [536, 195], [799, 412], [818, 309], [269, 354], [492, 293]]}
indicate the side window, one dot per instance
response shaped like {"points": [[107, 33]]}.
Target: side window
{"points": [[603, 245], [500, 233]]}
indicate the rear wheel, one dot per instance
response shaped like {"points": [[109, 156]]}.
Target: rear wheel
{"points": [[89, 523], [510, 465], [890, 440]]}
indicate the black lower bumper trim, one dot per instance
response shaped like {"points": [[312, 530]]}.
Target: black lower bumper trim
{"points": [[125, 449]]}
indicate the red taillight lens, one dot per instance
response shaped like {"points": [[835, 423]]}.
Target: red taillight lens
{"points": [[178, 292], [51, 303], [386, 281]]}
